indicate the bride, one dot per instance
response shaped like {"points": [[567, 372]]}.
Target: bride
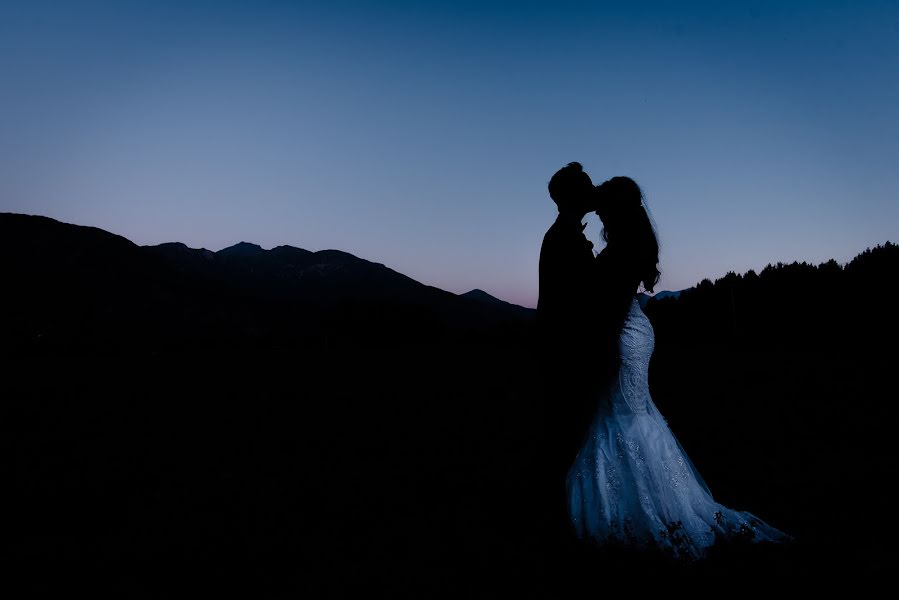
{"points": [[631, 481]]}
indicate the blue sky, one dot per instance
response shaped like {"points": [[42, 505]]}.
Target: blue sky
{"points": [[422, 135]]}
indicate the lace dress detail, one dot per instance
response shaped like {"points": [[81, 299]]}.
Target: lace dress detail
{"points": [[632, 483], [636, 343]]}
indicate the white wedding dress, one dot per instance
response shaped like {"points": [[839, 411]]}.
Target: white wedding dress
{"points": [[632, 483]]}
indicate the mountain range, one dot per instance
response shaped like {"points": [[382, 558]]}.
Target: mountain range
{"points": [[73, 285]]}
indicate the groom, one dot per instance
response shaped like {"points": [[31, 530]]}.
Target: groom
{"points": [[563, 325]]}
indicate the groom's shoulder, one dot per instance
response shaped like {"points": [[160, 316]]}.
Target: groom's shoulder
{"points": [[556, 238], [565, 228], [552, 233]]}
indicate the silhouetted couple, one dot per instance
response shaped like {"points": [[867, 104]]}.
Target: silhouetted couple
{"points": [[614, 472]]}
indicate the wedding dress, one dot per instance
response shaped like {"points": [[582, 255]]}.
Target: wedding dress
{"points": [[631, 481]]}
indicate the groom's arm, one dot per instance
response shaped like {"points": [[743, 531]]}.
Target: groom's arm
{"points": [[613, 290], [615, 287]]}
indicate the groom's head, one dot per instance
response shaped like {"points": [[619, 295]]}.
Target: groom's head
{"points": [[570, 188]]}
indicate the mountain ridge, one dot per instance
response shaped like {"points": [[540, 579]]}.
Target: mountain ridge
{"points": [[76, 286]]}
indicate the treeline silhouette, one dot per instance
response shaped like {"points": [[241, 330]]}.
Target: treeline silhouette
{"points": [[796, 304]]}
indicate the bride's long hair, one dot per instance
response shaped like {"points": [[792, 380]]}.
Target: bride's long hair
{"points": [[630, 258], [628, 229]]}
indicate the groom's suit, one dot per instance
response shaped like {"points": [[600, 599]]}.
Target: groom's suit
{"points": [[566, 258], [565, 316]]}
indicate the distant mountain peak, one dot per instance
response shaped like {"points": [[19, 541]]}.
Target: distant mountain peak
{"points": [[242, 249], [643, 298], [481, 295], [338, 257], [667, 294], [179, 249], [289, 248]]}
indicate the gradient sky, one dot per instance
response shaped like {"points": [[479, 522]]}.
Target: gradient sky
{"points": [[422, 135]]}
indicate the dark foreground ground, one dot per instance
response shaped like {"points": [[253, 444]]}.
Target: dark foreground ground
{"points": [[410, 471]]}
